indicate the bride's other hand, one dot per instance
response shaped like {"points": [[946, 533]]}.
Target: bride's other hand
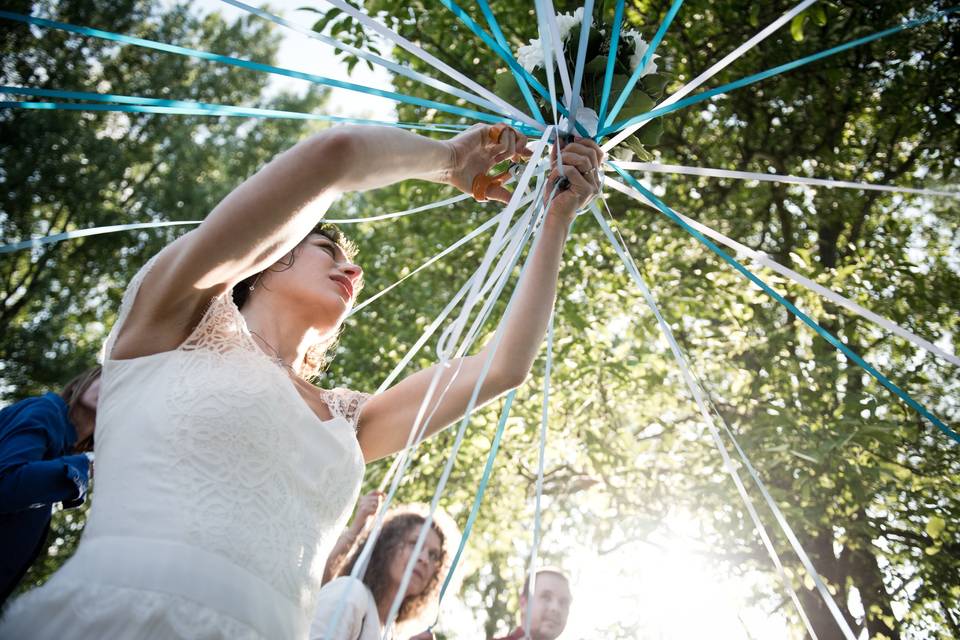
{"points": [[581, 167], [475, 151]]}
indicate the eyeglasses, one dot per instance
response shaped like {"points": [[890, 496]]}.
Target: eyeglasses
{"points": [[433, 556]]}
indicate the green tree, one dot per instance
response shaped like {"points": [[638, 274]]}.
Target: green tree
{"points": [[70, 170], [867, 484]]}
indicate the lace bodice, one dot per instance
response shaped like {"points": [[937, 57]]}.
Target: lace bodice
{"points": [[211, 445]]}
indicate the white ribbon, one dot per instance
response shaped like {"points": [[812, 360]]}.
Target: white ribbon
{"points": [[712, 71], [418, 427], [401, 463], [581, 60], [39, 241], [416, 435], [448, 467], [541, 465], [453, 247], [698, 397], [449, 71], [548, 18], [365, 55], [829, 294], [656, 167], [452, 334]]}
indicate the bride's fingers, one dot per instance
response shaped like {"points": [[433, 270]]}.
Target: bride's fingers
{"points": [[572, 173], [594, 179], [582, 162], [509, 143], [522, 150]]}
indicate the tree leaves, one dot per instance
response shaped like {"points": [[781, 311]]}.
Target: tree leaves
{"points": [[867, 486], [796, 26]]}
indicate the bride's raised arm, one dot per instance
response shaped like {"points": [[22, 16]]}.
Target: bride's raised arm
{"points": [[270, 213], [387, 418]]}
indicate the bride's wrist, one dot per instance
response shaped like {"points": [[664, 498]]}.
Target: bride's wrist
{"points": [[448, 163]]}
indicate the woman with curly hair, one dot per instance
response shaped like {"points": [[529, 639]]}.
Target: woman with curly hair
{"points": [[365, 604], [223, 474]]}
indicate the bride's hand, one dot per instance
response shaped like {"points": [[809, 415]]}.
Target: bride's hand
{"points": [[475, 151], [581, 162]]}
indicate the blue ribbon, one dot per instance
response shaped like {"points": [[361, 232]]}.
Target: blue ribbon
{"points": [[763, 75], [581, 58], [519, 77], [647, 57], [611, 60], [254, 66], [183, 107], [484, 481], [370, 57], [504, 54], [826, 335]]}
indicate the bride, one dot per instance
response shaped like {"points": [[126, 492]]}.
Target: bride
{"points": [[223, 475]]}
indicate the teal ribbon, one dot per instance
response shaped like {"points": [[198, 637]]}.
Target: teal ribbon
{"points": [[504, 54], [253, 66], [647, 57], [611, 59], [182, 107], [585, 25], [370, 57], [769, 73], [826, 335], [521, 78], [484, 481]]}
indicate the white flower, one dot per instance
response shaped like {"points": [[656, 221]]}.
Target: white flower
{"points": [[530, 56], [566, 22], [639, 49], [587, 118]]}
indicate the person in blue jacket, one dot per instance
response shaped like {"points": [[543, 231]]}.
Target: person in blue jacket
{"points": [[44, 459]]}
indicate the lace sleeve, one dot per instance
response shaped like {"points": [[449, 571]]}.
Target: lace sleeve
{"points": [[345, 403], [220, 328]]}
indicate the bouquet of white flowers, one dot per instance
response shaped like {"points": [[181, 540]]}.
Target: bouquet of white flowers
{"points": [[631, 48]]}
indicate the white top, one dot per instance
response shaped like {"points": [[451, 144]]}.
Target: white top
{"points": [[359, 618], [219, 494]]}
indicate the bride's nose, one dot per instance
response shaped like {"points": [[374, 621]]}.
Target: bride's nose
{"points": [[352, 271]]}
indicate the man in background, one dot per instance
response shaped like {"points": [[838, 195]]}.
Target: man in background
{"points": [[544, 614]]}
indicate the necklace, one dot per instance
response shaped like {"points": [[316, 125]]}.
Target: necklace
{"points": [[276, 354]]}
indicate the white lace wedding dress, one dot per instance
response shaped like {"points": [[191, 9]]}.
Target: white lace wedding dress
{"points": [[218, 496]]}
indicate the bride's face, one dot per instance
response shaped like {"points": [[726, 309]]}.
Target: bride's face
{"points": [[321, 282]]}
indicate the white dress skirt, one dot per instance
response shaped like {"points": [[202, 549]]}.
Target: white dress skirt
{"points": [[218, 496]]}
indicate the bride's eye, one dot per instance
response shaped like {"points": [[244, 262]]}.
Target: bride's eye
{"points": [[328, 248]]}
